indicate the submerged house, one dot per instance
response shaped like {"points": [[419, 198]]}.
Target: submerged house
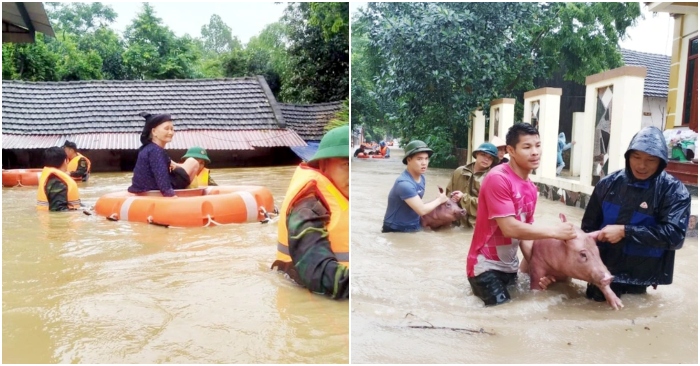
{"points": [[238, 121], [309, 120]]}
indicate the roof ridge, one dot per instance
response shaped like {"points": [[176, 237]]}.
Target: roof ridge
{"points": [[106, 81]]}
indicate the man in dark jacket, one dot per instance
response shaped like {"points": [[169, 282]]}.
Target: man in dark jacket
{"points": [[642, 214]]}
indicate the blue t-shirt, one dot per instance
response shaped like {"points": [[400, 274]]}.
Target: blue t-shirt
{"points": [[399, 215]]}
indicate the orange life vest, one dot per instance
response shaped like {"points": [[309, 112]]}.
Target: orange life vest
{"points": [[306, 177], [73, 166], [201, 180], [42, 202]]}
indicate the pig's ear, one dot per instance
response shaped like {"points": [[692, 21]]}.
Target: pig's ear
{"points": [[594, 234], [440, 189], [562, 217]]}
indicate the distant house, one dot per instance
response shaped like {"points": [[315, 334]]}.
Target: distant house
{"points": [[655, 90], [237, 120], [309, 120], [655, 85]]}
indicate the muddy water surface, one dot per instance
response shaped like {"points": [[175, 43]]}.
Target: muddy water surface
{"points": [[403, 280], [82, 289]]}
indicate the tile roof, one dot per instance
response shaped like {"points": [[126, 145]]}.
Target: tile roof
{"points": [[308, 120], [658, 70], [113, 106], [106, 112]]}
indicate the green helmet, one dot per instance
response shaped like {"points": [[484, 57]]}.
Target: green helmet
{"points": [[197, 153], [487, 148], [334, 144], [415, 147]]}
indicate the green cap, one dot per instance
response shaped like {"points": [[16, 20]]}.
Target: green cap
{"points": [[197, 153], [415, 147], [487, 148], [334, 144]]}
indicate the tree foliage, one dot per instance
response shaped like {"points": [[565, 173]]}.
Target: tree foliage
{"points": [[341, 118], [432, 64], [318, 53]]}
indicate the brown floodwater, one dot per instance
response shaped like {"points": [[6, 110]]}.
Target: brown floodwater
{"points": [[402, 280], [82, 289]]}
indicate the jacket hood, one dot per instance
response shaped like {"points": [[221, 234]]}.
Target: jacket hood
{"points": [[649, 140], [562, 137]]}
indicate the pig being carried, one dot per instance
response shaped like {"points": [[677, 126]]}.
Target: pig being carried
{"points": [[444, 215], [577, 258]]}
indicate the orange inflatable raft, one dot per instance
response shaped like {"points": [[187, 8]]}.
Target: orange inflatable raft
{"points": [[21, 177], [214, 205], [373, 156]]}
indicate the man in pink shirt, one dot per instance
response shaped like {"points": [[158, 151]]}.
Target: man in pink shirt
{"points": [[504, 219]]}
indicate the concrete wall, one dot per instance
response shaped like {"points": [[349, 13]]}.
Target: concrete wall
{"points": [[654, 112]]}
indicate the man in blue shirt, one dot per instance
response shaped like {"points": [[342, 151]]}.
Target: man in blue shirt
{"points": [[405, 206]]}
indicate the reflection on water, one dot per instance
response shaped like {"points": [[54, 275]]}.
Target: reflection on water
{"points": [[80, 288], [420, 279]]}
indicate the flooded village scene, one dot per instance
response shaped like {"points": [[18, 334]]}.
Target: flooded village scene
{"points": [[247, 91], [515, 183], [436, 89]]}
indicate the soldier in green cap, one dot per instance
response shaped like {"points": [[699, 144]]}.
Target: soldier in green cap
{"points": [[465, 183], [406, 206], [203, 177], [313, 237]]}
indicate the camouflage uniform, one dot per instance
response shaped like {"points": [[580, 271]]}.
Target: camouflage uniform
{"points": [[464, 179], [57, 194], [315, 265], [82, 169]]}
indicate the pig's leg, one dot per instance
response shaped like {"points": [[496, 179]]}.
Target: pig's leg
{"points": [[536, 272], [611, 298]]}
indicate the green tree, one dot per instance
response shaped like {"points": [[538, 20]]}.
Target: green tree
{"points": [[154, 52], [29, 61], [217, 37], [80, 18], [440, 61], [318, 54], [341, 118]]}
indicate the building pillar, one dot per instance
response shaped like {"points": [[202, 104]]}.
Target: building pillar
{"points": [[541, 109], [502, 115], [614, 103]]}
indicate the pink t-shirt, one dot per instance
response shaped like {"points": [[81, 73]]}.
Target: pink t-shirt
{"points": [[503, 193]]}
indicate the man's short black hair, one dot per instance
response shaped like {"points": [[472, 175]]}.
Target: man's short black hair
{"points": [[54, 157], [517, 130]]}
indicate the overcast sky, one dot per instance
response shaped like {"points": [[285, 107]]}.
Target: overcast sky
{"points": [[652, 34], [245, 19]]}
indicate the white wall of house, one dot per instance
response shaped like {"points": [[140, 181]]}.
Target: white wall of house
{"points": [[654, 112]]}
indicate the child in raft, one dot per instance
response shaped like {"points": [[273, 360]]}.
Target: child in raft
{"points": [[154, 169]]}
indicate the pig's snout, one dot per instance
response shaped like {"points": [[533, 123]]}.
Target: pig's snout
{"points": [[606, 279], [463, 212]]}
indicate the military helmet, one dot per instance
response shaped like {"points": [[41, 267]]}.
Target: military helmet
{"points": [[415, 147], [487, 148]]}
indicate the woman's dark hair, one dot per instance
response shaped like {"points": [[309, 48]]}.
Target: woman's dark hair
{"points": [[54, 157], [517, 130]]}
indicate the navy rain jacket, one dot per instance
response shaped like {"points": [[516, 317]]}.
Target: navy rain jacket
{"points": [[655, 213]]}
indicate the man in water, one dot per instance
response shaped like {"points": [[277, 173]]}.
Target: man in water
{"points": [[466, 181], [78, 165], [313, 233], [57, 191]]}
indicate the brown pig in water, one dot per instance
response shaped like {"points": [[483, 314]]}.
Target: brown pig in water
{"points": [[443, 215], [577, 258]]}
